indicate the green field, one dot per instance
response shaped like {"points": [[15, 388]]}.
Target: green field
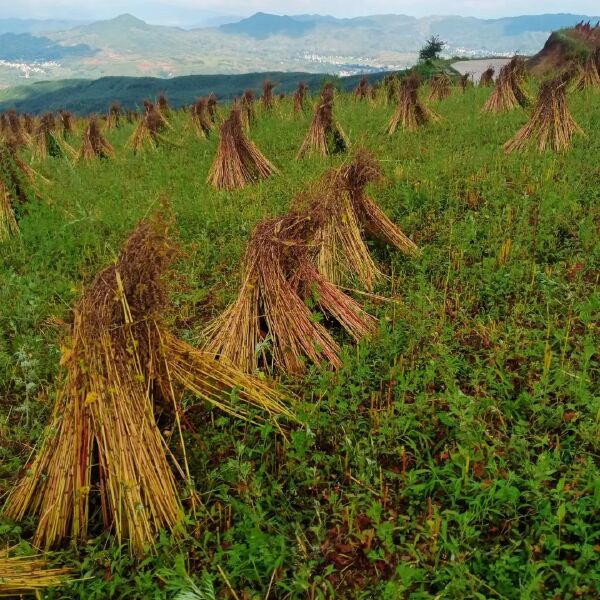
{"points": [[455, 454]]}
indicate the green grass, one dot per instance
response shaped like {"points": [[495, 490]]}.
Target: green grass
{"points": [[455, 455]]}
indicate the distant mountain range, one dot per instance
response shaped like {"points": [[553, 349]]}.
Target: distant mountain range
{"points": [[127, 46], [36, 25], [27, 47]]}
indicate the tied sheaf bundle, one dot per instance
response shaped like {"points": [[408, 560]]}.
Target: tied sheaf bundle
{"points": [[589, 75], [375, 90], [363, 89], [163, 106], [28, 575], [300, 96], [94, 144], [48, 142], [15, 133], [66, 120], [410, 113], [487, 77], [247, 108], [103, 442], [113, 119], [270, 325], [16, 188], [345, 213], [508, 92], [149, 132], [8, 219], [212, 104], [440, 87], [391, 85], [268, 101], [550, 124], [325, 135], [28, 124], [203, 126], [238, 161], [464, 82]]}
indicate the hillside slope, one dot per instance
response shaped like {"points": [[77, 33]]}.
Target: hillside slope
{"points": [[87, 96], [564, 47]]}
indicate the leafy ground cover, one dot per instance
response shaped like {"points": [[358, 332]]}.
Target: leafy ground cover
{"points": [[455, 454]]}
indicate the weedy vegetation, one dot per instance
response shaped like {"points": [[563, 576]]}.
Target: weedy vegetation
{"points": [[364, 374]]}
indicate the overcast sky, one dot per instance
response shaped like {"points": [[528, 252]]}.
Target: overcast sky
{"points": [[182, 11]]}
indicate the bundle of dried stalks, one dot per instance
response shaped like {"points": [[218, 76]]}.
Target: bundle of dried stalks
{"points": [[440, 87], [363, 90], [16, 188], [375, 91], [212, 107], [270, 324], [325, 135], [589, 75], [391, 84], [201, 119], [48, 143], [8, 220], [464, 82], [163, 105], [149, 131], [103, 443], [66, 120], [16, 133], [344, 211], [487, 77], [113, 119], [94, 144], [508, 92], [267, 96], [300, 96], [410, 113], [28, 124], [238, 161], [551, 124], [247, 106], [28, 575], [15, 174]]}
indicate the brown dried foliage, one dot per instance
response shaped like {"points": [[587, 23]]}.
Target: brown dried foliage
{"points": [[410, 113], [238, 161], [509, 92], [267, 99], [440, 87], [300, 96], [325, 135], [551, 124], [344, 212], [487, 77], [103, 440], [94, 144], [270, 324]]}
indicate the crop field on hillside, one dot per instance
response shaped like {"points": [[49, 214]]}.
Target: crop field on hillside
{"points": [[454, 452]]}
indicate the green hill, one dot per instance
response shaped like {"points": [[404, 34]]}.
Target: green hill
{"points": [[564, 47], [87, 96]]}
